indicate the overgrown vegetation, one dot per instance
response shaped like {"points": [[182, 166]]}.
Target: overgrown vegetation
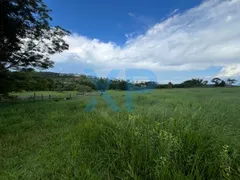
{"points": [[170, 134], [30, 80]]}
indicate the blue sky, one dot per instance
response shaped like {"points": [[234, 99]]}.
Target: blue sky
{"points": [[110, 20], [175, 39]]}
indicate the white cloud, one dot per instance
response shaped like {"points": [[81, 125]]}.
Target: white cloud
{"points": [[131, 14], [229, 18], [173, 12], [230, 71], [130, 35], [202, 37]]}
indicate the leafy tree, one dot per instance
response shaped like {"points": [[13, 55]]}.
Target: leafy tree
{"points": [[118, 84], [205, 83], [195, 83], [102, 84], [50, 84], [231, 81], [162, 86], [216, 81], [58, 86], [222, 83], [84, 80], [84, 88], [151, 84], [26, 37], [170, 85], [15, 81]]}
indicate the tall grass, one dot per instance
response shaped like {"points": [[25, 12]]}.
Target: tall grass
{"points": [[170, 134]]}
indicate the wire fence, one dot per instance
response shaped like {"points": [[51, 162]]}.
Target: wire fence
{"points": [[44, 97]]}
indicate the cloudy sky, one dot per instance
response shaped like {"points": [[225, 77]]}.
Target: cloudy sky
{"points": [[176, 40]]}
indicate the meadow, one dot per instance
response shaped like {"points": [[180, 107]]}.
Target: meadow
{"points": [[43, 95], [169, 134]]}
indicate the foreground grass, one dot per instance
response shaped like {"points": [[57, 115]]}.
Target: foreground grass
{"points": [[170, 134]]}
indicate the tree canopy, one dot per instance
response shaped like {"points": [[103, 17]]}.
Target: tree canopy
{"points": [[26, 37], [231, 81], [195, 83], [218, 82]]}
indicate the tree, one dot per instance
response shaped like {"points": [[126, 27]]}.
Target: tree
{"points": [[194, 83], [231, 81], [102, 84], [222, 84], [84, 88], [170, 85], [26, 37], [216, 81], [205, 83]]}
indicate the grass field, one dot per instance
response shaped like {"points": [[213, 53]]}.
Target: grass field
{"points": [[170, 134], [45, 94]]}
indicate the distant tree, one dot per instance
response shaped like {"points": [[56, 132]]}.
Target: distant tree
{"points": [[170, 85], [222, 84], [194, 83], [216, 81], [102, 84], [58, 86], [123, 85], [197, 82], [84, 88], [118, 84], [205, 83], [50, 84], [163, 86], [16, 81], [231, 81], [151, 84], [181, 85]]}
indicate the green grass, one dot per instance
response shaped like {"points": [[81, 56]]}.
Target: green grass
{"points": [[44, 93], [170, 134]]}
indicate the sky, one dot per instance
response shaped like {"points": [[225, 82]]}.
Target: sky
{"points": [[175, 40]]}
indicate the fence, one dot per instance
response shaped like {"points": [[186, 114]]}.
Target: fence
{"points": [[42, 97]]}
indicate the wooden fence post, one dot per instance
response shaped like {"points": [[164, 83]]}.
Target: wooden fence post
{"points": [[50, 97], [42, 96], [34, 96]]}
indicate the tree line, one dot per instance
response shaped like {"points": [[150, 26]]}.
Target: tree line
{"points": [[30, 80]]}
